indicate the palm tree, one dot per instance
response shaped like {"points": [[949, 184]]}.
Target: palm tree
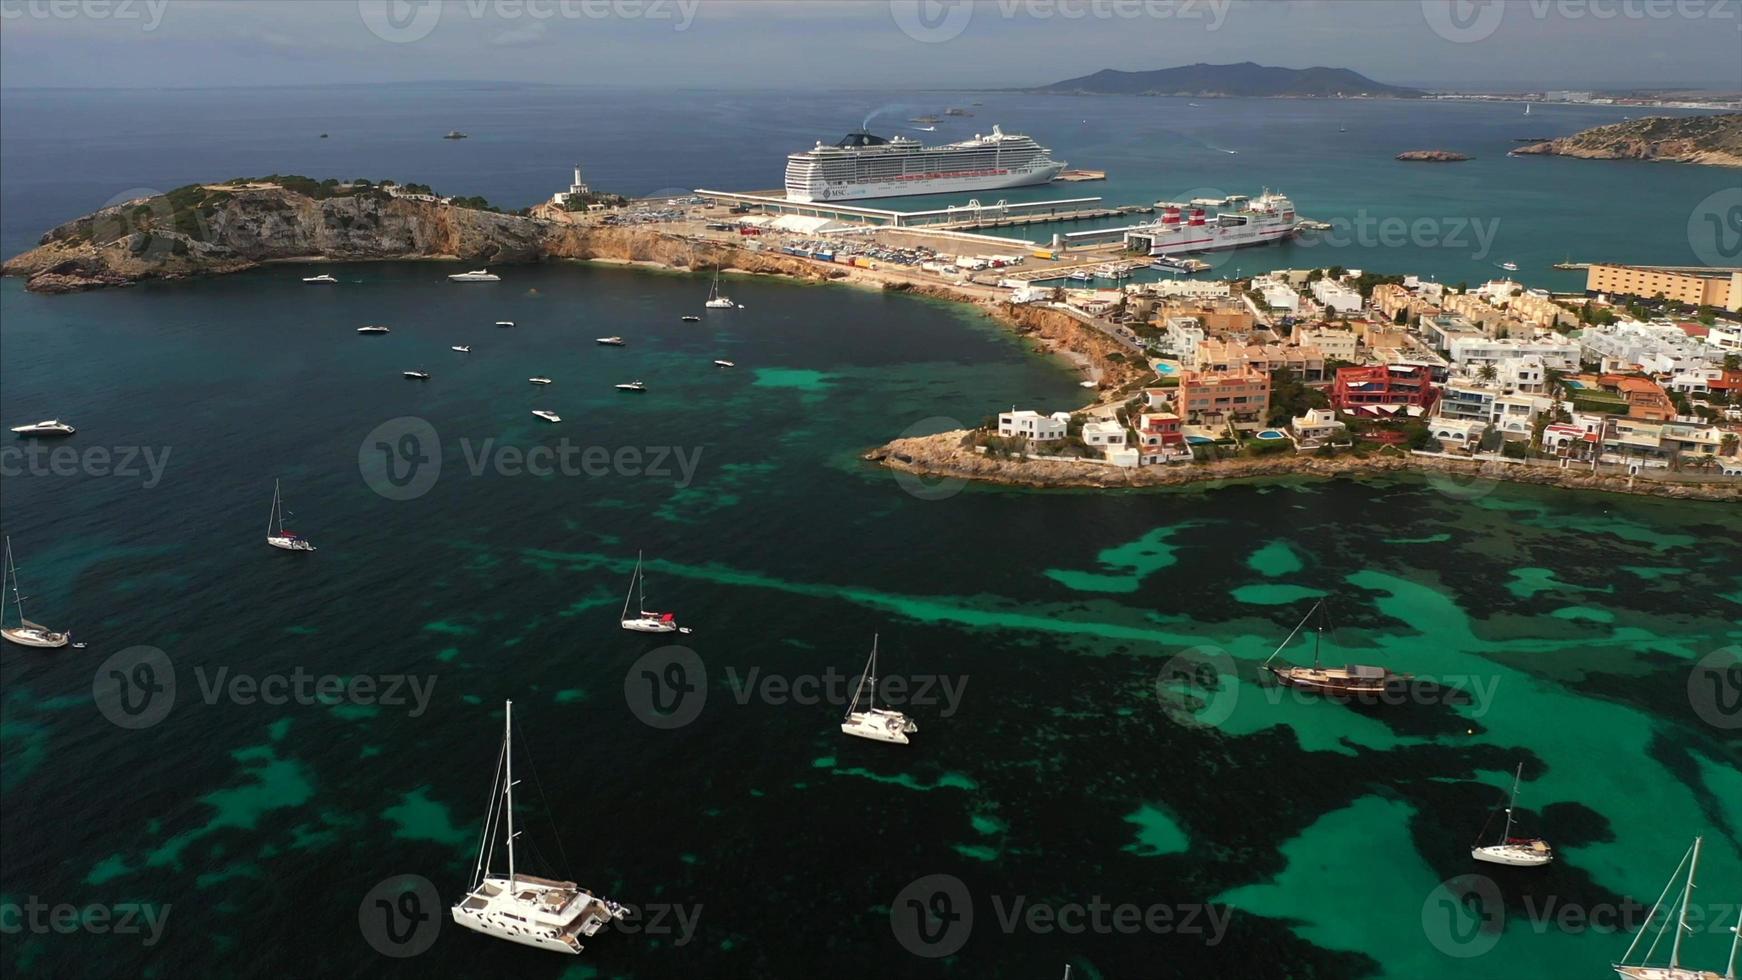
{"points": [[1488, 373]]}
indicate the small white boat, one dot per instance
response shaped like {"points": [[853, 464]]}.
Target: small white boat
{"points": [[276, 535], [690, 318], [720, 363], [1088, 384], [505, 323], [26, 633], [372, 328], [632, 386], [1515, 852], [547, 416], [47, 427], [539, 380], [462, 348], [1509, 266], [645, 620], [476, 275], [609, 341], [320, 278], [877, 724], [715, 300], [538, 912], [417, 375]]}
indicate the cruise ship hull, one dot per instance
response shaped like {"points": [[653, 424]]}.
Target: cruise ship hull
{"points": [[991, 180]]}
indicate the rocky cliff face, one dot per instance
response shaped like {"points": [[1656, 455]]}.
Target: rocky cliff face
{"points": [[1711, 140], [210, 229]]}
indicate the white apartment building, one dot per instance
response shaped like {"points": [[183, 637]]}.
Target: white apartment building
{"points": [[1180, 338], [1277, 295], [1035, 426], [1333, 343], [1556, 351], [1336, 297]]}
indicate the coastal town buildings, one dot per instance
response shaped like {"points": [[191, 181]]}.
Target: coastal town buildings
{"points": [[1383, 391], [1223, 357], [1031, 425], [1336, 297], [1720, 288], [1333, 343], [1556, 351], [1317, 427], [1213, 397]]}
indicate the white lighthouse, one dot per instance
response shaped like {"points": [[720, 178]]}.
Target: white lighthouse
{"points": [[578, 188]]}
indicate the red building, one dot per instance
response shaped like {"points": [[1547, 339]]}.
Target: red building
{"points": [[1384, 390]]}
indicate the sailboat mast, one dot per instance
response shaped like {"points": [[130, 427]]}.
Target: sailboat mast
{"points": [[1291, 634], [9, 577], [272, 515], [508, 781], [633, 579], [871, 675], [1681, 921], [1512, 803], [1730, 972]]}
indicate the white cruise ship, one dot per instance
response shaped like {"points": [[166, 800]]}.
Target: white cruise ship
{"points": [[864, 166], [1187, 228]]}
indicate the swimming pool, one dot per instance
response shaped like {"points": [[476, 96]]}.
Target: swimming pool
{"points": [[1270, 434], [1165, 369], [1199, 440]]}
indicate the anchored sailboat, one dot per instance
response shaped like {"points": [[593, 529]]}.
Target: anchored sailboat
{"points": [[715, 300], [1675, 971], [1519, 852], [520, 908], [646, 621], [26, 633], [877, 724], [1352, 679], [276, 535]]}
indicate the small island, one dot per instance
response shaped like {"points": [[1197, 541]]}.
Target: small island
{"points": [[1431, 156], [1709, 140]]}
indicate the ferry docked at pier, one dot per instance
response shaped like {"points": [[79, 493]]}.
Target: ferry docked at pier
{"points": [[1239, 221], [863, 166]]}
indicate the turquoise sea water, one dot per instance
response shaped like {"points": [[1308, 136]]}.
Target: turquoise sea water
{"points": [[1075, 766]]}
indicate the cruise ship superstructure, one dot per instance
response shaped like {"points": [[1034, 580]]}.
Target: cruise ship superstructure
{"points": [[1239, 221], [863, 166]]}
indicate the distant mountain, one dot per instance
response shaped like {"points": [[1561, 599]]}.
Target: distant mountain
{"points": [[1244, 79]]}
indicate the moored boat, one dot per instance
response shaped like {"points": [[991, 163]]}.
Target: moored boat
{"points": [[47, 427], [1517, 852], [276, 534], [26, 633], [476, 275], [1351, 680], [874, 723]]}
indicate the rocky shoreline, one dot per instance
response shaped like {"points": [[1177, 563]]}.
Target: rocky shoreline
{"points": [[1431, 156], [942, 456], [1709, 140]]}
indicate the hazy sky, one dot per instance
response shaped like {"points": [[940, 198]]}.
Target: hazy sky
{"points": [[1471, 44]]}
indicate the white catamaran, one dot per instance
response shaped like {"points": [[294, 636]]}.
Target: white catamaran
{"points": [[1674, 970], [1520, 852], [26, 633], [276, 535], [645, 620], [877, 724], [520, 908]]}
